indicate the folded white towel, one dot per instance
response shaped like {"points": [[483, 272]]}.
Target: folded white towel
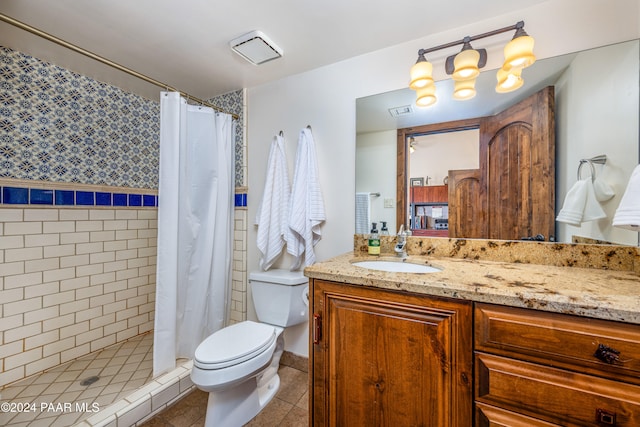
{"points": [[580, 204], [628, 213], [602, 190], [363, 213], [306, 213], [273, 213]]}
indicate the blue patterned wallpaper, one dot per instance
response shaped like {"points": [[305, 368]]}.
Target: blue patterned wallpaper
{"points": [[60, 126]]}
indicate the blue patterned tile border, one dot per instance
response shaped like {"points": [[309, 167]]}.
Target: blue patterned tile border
{"points": [[52, 197], [241, 200]]}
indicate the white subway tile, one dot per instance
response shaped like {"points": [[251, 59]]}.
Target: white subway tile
{"points": [[103, 257], [126, 234], [101, 321], [89, 225], [11, 242], [99, 279], [101, 300], [115, 327], [89, 292], [76, 283], [136, 301], [41, 265], [114, 307], [102, 214], [74, 215], [149, 270], [146, 327], [115, 286], [58, 322], [127, 333], [89, 336], [59, 251], [103, 342], [10, 322], [91, 313], [126, 254], [11, 214], [74, 330], [75, 352], [148, 214], [41, 240], [11, 348], [43, 289], [12, 268], [77, 237], [74, 307], [42, 314], [120, 224], [127, 274], [137, 262], [137, 281], [24, 280], [40, 214], [9, 376], [22, 332], [149, 252], [89, 248], [115, 266], [126, 314], [22, 306], [135, 224], [42, 364], [58, 346], [74, 260], [166, 394], [58, 299], [11, 255], [58, 227], [41, 340], [126, 214], [102, 236], [59, 274], [88, 270], [137, 320], [117, 245]]}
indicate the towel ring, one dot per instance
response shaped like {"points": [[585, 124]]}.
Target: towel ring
{"points": [[593, 169], [601, 160]]}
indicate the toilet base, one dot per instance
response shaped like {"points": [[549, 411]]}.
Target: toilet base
{"points": [[237, 406]]}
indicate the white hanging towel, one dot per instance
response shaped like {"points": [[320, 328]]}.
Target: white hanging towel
{"points": [[580, 204], [363, 213], [273, 213], [628, 213], [307, 207]]}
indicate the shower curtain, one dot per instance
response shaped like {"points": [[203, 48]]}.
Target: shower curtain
{"points": [[195, 228]]}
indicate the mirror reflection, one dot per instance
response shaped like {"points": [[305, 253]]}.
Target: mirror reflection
{"points": [[596, 113]]}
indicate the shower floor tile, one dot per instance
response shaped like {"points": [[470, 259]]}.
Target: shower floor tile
{"points": [[63, 388]]}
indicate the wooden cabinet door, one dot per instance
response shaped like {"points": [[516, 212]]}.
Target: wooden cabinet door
{"points": [[382, 358], [465, 219], [517, 165]]}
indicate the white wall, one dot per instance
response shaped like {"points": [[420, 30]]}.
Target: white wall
{"points": [[375, 170], [587, 86], [438, 153], [325, 99]]}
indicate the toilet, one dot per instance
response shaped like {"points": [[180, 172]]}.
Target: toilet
{"points": [[238, 365]]}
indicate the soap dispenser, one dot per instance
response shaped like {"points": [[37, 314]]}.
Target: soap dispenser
{"points": [[374, 240], [384, 231]]}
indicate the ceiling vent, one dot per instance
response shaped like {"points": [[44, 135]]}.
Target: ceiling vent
{"points": [[400, 111], [256, 48]]}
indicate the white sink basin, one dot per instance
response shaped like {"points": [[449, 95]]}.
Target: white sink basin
{"points": [[397, 266]]}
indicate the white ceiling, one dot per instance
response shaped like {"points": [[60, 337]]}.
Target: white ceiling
{"points": [[185, 44]]}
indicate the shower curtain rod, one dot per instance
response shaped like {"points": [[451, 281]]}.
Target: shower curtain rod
{"points": [[106, 61]]}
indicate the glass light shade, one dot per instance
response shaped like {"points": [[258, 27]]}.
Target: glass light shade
{"points": [[426, 95], [466, 65], [518, 53], [464, 89], [509, 81], [421, 75]]}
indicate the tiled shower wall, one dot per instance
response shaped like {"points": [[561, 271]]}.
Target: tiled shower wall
{"points": [[74, 276]]}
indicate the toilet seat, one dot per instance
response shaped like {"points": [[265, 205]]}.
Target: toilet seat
{"points": [[234, 344]]}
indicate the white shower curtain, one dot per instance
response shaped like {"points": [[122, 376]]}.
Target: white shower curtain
{"points": [[195, 228]]}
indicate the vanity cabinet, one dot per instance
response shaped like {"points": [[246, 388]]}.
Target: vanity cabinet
{"points": [[537, 368], [386, 358]]}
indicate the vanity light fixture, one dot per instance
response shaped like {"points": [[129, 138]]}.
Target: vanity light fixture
{"points": [[464, 67]]}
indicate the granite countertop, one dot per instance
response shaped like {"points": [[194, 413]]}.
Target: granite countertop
{"points": [[590, 292]]}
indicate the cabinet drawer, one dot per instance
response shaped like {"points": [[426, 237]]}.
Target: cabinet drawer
{"points": [[555, 395], [490, 416], [560, 340]]}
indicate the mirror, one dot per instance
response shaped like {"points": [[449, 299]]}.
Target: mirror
{"points": [[596, 110]]}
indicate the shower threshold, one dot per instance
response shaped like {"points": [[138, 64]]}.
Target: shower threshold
{"points": [[111, 387]]}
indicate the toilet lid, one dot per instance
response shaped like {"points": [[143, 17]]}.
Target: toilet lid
{"points": [[234, 344]]}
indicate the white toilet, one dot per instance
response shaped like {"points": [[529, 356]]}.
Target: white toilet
{"points": [[238, 365]]}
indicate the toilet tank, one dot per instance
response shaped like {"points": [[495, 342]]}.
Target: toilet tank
{"points": [[280, 297]]}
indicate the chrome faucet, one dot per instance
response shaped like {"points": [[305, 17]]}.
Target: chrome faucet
{"points": [[401, 242]]}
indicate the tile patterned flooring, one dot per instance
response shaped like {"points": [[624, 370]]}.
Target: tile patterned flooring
{"points": [[124, 368], [288, 408], [121, 369]]}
